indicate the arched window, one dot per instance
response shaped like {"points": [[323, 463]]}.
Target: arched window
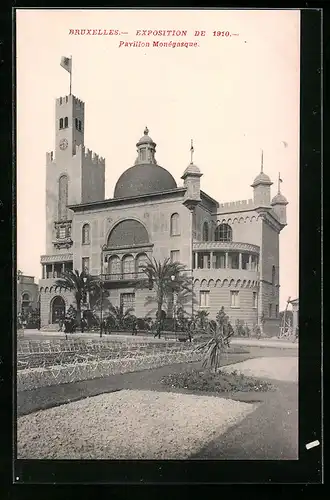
{"points": [[128, 265], [223, 232], [175, 225], [86, 234], [114, 266], [141, 261], [62, 197], [205, 231], [61, 123], [66, 122], [128, 233], [143, 154], [273, 275], [25, 302]]}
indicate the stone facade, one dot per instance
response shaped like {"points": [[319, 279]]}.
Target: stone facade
{"points": [[231, 250], [27, 293]]}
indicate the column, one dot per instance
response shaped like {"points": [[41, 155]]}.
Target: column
{"points": [[63, 267], [211, 264], [196, 259], [43, 271], [53, 270], [250, 262], [226, 260], [240, 260]]}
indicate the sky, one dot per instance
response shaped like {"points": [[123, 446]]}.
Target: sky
{"points": [[233, 95]]}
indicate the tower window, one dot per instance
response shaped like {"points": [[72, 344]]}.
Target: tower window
{"points": [[62, 197], [223, 233], [76, 121], [270, 310], [66, 122], [79, 124], [143, 154], [61, 123], [255, 300], [86, 234], [273, 279], [205, 231], [175, 225]]}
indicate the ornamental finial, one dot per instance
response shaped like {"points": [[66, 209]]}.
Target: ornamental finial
{"points": [[191, 151], [146, 131]]}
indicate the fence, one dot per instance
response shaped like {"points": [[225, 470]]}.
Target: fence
{"points": [[46, 363]]}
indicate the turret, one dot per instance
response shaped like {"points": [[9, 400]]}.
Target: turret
{"points": [[279, 203], [191, 181], [261, 187], [146, 149]]}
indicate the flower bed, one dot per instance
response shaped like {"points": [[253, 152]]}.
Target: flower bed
{"points": [[220, 381], [61, 374]]}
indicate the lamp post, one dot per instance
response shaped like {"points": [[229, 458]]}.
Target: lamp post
{"points": [[174, 306], [85, 300], [103, 247]]}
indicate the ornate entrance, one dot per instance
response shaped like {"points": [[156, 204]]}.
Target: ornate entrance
{"points": [[57, 309]]}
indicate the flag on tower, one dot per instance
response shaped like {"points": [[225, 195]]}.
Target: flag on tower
{"points": [[66, 63]]}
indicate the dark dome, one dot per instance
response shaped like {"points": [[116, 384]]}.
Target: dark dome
{"points": [[143, 179]]}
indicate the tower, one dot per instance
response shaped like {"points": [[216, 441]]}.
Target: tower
{"points": [[191, 181], [73, 174], [279, 203], [261, 187]]}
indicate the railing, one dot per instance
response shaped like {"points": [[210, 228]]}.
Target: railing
{"points": [[225, 246], [123, 276]]}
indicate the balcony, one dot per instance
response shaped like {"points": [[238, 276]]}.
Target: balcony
{"points": [[226, 260], [122, 277], [226, 246]]}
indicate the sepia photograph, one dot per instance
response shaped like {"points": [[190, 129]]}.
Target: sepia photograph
{"points": [[157, 234]]}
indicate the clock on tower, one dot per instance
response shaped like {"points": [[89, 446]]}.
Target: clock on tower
{"points": [[63, 144]]}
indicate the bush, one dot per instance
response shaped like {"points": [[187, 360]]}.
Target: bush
{"points": [[215, 382]]}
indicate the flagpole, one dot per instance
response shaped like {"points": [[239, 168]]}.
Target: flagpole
{"points": [[71, 74]]}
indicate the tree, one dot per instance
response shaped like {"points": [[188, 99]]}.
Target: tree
{"points": [[216, 346], [80, 284], [165, 278], [120, 317], [201, 319]]}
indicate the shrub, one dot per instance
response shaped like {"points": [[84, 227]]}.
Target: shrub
{"points": [[218, 344]]}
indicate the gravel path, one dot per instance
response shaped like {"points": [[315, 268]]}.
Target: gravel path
{"points": [[128, 424], [285, 368]]}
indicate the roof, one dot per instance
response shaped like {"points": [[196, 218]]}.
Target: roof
{"points": [[144, 179], [262, 178]]}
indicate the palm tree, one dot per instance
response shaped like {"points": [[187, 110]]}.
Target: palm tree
{"points": [[80, 284], [119, 316], [165, 278], [215, 347], [201, 319]]}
